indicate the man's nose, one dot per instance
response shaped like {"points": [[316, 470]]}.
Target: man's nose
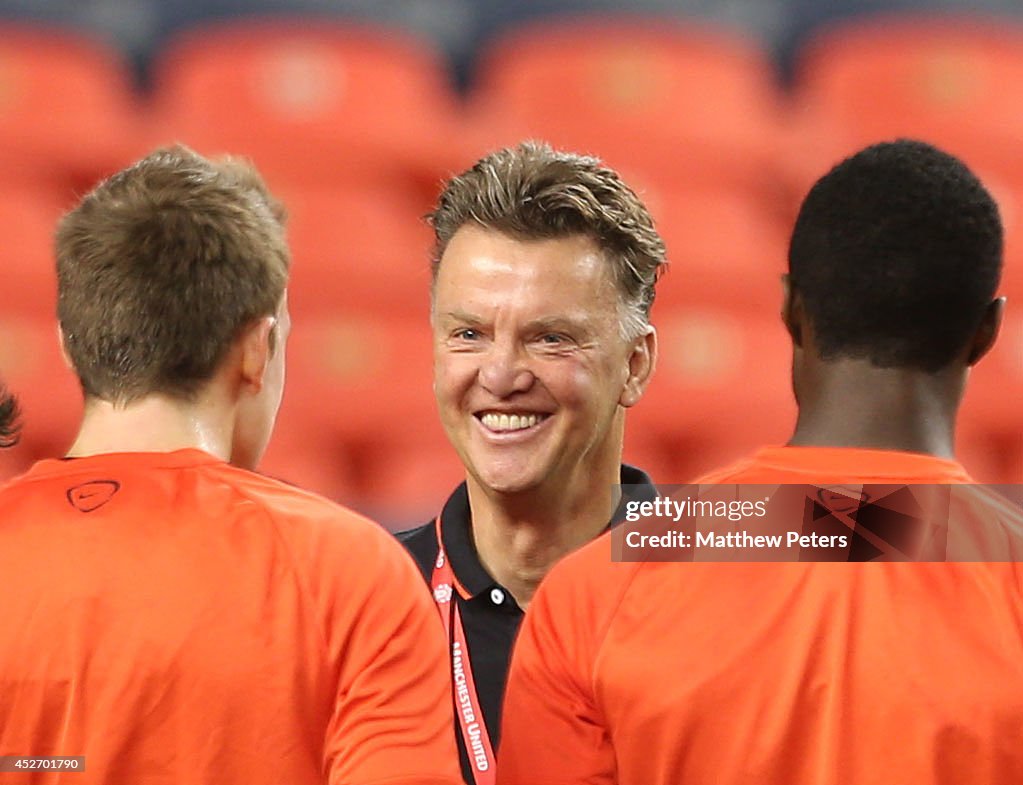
{"points": [[504, 369]]}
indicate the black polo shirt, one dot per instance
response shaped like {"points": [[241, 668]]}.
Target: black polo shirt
{"points": [[491, 616]]}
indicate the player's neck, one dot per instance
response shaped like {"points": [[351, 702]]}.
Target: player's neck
{"points": [[520, 538], [855, 404], [154, 423]]}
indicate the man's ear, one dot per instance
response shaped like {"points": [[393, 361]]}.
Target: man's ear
{"points": [[792, 315], [62, 340], [256, 348], [642, 361], [986, 334]]}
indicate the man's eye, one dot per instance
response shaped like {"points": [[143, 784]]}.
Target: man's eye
{"points": [[467, 334], [552, 339]]}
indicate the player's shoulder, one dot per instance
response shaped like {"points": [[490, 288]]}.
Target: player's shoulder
{"points": [[279, 497], [298, 513], [745, 469], [580, 598], [592, 575]]}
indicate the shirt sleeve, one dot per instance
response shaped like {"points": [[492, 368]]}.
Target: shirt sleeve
{"points": [[393, 720], [553, 732]]}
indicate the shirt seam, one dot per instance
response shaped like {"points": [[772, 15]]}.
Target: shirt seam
{"points": [[292, 560], [602, 638]]}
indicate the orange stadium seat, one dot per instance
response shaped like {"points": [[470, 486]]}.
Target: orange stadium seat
{"points": [[361, 378], [992, 408], [721, 388], [356, 250], [28, 218], [1009, 196], [405, 483], [67, 110], [647, 451], [321, 465], [726, 249], [950, 81], [991, 457], [664, 98], [32, 367], [309, 101], [359, 389]]}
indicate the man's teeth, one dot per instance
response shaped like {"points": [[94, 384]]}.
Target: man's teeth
{"points": [[510, 422]]}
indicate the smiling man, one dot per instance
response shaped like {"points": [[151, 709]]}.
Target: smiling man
{"points": [[543, 278]]}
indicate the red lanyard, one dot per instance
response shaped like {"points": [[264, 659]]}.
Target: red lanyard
{"points": [[468, 711]]}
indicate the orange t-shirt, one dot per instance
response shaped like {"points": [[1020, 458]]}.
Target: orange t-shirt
{"points": [[178, 620], [773, 673]]}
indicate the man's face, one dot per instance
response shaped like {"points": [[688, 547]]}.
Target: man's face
{"points": [[529, 363]]}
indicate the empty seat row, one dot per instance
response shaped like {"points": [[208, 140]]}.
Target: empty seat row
{"points": [[462, 28], [313, 102]]}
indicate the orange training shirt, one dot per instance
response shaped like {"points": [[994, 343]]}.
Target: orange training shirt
{"points": [[180, 621], [773, 674]]}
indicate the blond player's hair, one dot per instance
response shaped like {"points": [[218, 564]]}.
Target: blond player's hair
{"points": [[159, 268]]}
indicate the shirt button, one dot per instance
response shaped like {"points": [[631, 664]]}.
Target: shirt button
{"points": [[496, 596]]}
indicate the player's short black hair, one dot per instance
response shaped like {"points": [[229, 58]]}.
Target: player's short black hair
{"points": [[896, 254], [10, 419]]}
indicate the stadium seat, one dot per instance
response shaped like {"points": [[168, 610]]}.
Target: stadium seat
{"points": [[356, 250], [32, 367], [645, 450], [406, 481], [449, 24], [991, 457], [678, 102], [361, 378], [310, 102], [726, 249], [946, 80], [993, 404], [67, 110], [310, 461], [805, 18], [364, 384], [28, 217], [721, 388], [1009, 196]]}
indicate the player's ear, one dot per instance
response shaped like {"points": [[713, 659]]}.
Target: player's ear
{"points": [[987, 333], [792, 311], [255, 345], [62, 340], [642, 362]]}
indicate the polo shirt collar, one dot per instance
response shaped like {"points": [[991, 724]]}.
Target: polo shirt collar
{"points": [[456, 529]]}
